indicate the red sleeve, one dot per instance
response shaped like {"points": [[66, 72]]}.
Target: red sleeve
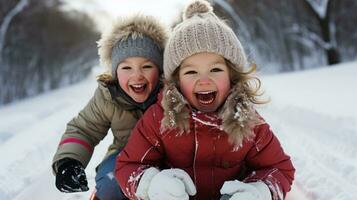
{"points": [[142, 151], [269, 163]]}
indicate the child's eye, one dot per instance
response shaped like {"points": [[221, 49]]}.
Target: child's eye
{"points": [[126, 67], [216, 69], [147, 66], [190, 72]]}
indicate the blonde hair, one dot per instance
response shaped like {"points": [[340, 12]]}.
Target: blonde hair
{"points": [[246, 80]]}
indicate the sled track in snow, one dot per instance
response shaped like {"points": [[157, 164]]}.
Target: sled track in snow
{"points": [[317, 163]]}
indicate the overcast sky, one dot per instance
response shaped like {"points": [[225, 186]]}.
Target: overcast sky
{"points": [[102, 10]]}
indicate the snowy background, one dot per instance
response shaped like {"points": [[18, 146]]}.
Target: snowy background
{"points": [[312, 112], [278, 35]]}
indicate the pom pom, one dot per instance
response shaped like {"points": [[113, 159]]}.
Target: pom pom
{"points": [[196, 7]]}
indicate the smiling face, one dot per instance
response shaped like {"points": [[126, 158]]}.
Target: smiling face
{"points": [[204, 81], [138, 77]]}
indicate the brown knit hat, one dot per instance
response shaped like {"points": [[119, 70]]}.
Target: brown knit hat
{"points": [[201, 31]]}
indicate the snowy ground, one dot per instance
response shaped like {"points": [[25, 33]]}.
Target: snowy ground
{"points": [[313, 113]]}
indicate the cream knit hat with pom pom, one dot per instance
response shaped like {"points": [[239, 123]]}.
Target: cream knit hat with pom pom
{"points": [[201, 31]]}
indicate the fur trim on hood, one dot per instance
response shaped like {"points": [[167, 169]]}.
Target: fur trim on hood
{"points": [[134, 26], [106, 78], [238, 114]]}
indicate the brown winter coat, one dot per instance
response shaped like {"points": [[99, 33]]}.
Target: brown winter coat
{"points": [[103, 112], [92, 124]]}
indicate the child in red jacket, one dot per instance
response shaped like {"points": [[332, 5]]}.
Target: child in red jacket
{"points": [[204, 138]]}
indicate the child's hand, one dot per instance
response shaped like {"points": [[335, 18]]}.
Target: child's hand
{"points": [[245, 191], [169, 184], [71, 177]]}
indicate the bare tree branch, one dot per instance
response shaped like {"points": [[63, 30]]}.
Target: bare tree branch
{"points": [[7, 19]]}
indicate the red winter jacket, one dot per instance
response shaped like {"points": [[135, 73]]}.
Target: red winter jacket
{"points": [[205, 154]]}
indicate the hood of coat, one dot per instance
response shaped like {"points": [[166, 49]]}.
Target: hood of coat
{"points": [[237, 114], [133, 26]]}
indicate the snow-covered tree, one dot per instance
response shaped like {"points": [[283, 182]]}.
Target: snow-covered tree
{"points": [[42, 47], [6, 21], [321, 10], [282, 35]]}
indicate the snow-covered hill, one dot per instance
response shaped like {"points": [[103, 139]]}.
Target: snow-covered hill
{"points": [[313, 113]]}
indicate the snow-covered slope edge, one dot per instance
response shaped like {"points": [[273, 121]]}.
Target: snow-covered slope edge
{"points": [[315, 117]]}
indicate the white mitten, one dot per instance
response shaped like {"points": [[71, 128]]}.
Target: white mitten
{"points": [[246, 191], [145, 180], [170, 184]]}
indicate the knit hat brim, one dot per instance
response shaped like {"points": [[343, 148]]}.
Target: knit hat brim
{"points": [[138, 47]]}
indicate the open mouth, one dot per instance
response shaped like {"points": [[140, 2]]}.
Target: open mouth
{"points": [[206, 97], [138, 88]]}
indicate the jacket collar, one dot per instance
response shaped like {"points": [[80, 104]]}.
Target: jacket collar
{"points": [[237, 115]]}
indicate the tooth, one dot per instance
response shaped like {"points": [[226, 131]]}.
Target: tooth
{"points": [[206, 102], [138, 86], [205, 92]]}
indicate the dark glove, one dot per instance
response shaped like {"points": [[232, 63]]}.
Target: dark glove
{"points": [[225, 197], [71, 176]]}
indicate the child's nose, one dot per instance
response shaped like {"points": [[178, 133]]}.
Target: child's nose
{"points": [[138, 73], [204, 80]]}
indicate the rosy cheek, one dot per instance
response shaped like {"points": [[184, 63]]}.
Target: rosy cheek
{"points": [[154, 77], [186, 88], [223, 85], [123, 80], [123, 83], [186, 91]]}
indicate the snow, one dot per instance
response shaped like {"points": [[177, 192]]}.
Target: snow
{"points": [[315, 117], [320, 7], [312, 113]]}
